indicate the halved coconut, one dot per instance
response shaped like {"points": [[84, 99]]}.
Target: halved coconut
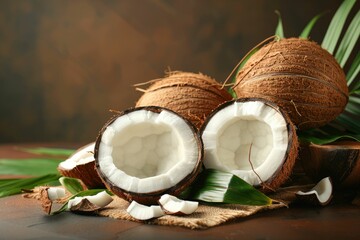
{"points": [[145, 152], [253, 139], [81, 165]]}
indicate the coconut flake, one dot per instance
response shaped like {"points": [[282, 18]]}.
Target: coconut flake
{"points": [[173, 205], [320, 194], [243, 127], [143, 212], [82, 156], [55, 193], [100, 200]]}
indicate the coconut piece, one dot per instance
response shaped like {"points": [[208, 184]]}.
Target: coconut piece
{"points": [[56, 193], [90, 203], [143, 212], [319, 195], [175, 206], [252, 139], [81, 165], [298, 75], [340, 160], [192, 95], [144, 152]]}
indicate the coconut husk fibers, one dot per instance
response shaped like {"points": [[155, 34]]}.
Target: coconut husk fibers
{"points": [[192, 95], [298, 75]]}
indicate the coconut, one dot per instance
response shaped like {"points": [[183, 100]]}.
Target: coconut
{"points": [[253, 139], [319, 195], [81, 165], [145, 152], [340, 160], [298, 75], [194, 96]]}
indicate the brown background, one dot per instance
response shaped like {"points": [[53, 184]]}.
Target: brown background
{"points": [[64, 64]]}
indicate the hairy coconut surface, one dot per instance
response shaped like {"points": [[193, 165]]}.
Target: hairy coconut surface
{"points": [[192, 95], [298, 75], [253, 139], [145, 152]]}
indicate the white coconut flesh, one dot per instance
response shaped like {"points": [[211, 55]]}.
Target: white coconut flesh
{"points": [[55, 193], [100, 199], [144, 151], [83, 156], [174, 205], [322, 190], [248, 139], [143, 212]]}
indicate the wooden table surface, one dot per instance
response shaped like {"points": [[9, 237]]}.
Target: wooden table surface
{"points": [[23, 219]]}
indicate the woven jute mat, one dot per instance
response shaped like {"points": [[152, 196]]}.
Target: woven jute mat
{"points": [[205, 216]]}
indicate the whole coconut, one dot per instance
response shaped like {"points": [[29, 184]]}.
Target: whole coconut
{"points": [[192, 95], [300, 76]]}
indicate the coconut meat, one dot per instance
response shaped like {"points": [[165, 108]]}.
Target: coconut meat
{"points": [[143, 212], [100, 199], [322, 190], [145, 151], [248, 139], [174, 205], [82, 156]]}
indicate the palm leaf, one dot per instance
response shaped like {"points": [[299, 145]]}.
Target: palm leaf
{"points": [[215, 186], [306, 32], [279, 31], [30, 166], [73, 185], [49, 151], [336, 25], [10, 187], [353, 72], [349, 40]]}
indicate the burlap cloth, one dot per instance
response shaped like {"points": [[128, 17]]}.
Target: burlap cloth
{"points": [[205, 216]]}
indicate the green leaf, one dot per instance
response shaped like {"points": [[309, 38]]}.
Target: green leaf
{"points": [[29, 166], [306, 32], [349, 40], [320, 139], [353, 72], [73, 185], [49, 151], [15, 186], [279, 28], [90, 192], [335, 27], [215, 186]]}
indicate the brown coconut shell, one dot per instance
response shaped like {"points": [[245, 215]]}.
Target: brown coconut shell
{"points": [[85, 172], [339, 160], [153, 197], [192, 95], [284, 173], [300, 76]]}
